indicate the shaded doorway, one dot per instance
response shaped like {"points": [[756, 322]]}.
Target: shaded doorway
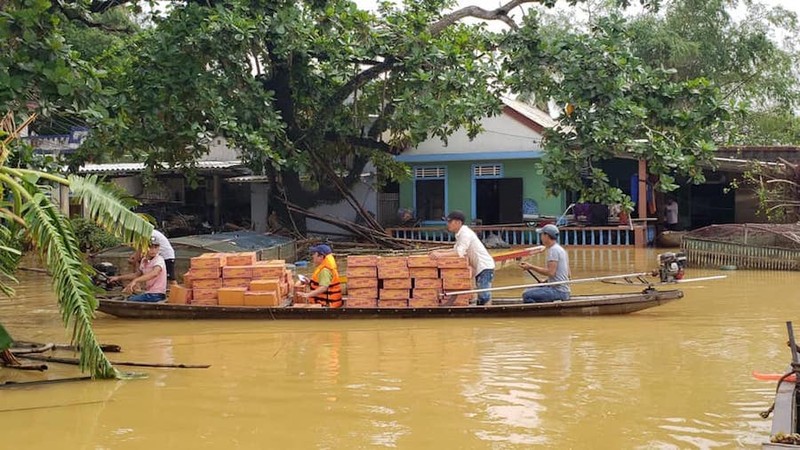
{"points": [[498, 200]]}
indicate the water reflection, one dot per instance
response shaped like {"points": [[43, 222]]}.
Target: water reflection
{"points": [[677, 376]]}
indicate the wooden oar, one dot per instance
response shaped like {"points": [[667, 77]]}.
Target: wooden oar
{"points": [[553, 283]]}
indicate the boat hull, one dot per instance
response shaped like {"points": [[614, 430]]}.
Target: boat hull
{"points": [[594, 305]]}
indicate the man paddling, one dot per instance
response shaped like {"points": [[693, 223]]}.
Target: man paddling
{"points": [[468, 244], [557, 269], [152, 271]]}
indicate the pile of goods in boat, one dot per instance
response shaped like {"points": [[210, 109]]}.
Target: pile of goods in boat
{"points": [[233, 279], [416, 281]]}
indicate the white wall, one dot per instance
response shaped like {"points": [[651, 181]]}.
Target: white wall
{"points": [[364, 191], [502, 133]]}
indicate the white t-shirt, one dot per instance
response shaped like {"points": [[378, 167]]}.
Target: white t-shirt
{"points": [[164, 247], [468, 244], [671, 213]]}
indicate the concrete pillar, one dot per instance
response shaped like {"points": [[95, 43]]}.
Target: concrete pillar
{"points": [[640, 231], [259, 205], [217, 200]]}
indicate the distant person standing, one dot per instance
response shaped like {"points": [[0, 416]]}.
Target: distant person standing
{"points": [[166, 251], [556, 270], [671, 214], [468, 244]]}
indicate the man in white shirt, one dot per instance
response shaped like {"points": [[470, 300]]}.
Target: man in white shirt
{"points": [[671, 214], [166, 251], [468, 244]]}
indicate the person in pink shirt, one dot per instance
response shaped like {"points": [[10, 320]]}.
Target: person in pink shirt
{"points": [[152, 272]]}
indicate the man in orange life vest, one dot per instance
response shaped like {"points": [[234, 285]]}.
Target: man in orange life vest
{"points": [[326, 288]]}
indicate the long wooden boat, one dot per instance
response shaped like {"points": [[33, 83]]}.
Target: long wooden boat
{"points": [[581, 305], [785, 425]]}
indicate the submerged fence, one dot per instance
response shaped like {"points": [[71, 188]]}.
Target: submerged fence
{"points": [[707, 253], [523, 235]]}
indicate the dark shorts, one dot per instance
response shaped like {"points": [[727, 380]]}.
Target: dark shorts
{"points": [[170, 263]]}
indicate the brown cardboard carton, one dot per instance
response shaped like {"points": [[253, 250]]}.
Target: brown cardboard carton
{"points": [[231, 296], [241, 259], [362, 261], [425, 294], [362, 272], [207, 261], [456, 273], [261, 298], [392, 262], [427, 283], [179, 295], [393, 272], [207, 283], [418, 261], [363, 292], [265, 285], [423, 272], [357, 283], [423, 303], [203, 295], [198, 274], [451, 262], [394, 294], [237, 272], [236, 282], [351, 302], [397, 283], [382, 303], [456, 284]]}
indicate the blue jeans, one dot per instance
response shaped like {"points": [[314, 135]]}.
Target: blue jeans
{"points": [[147, 297], [484, 281], [543, 294]]}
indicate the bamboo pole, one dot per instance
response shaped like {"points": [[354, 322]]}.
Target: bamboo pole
{"points": [[554, 283]]}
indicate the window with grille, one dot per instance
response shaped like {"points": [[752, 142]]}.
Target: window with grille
{"points": [[429, 172], [488, 171]]}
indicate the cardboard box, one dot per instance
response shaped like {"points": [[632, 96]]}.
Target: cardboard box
{"points": [[263, 271], [451, 262], [360, 302], [363, 293], [203, 294], [266, 285], [236, 282], [457, 284], [207, 261], [237, 272], [392, 262], [198, 274], [393, 272], [357, 283], [272, 262], [392, 303], [425, 294], [423, 303], [459, 300], [427, 283], [231, 296], [362, 261], [394, 294], [456, 273], [187, 280], [241, 259], [362, 272], [261, 298], [204, 302], [397, 283], [179, 295], [207, 283], [423, 272], [421, 261]]}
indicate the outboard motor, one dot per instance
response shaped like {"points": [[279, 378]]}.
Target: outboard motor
{"points": [[671, 266], [103, 271]]}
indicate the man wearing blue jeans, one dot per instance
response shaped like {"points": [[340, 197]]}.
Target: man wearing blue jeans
{"points": [[556, 270], [468, 244]]}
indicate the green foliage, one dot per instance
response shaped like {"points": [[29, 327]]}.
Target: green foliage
{"points": [[5, 339], [92, 238], [615, 105]]}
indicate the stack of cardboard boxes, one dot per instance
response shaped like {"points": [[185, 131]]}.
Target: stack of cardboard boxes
{"points": [[233, 279], [413, 281]]}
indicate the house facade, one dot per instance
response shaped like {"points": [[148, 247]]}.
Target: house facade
{"points": [[493, 178]]}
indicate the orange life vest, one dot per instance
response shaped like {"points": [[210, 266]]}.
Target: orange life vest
{"points": [[332, 297]]}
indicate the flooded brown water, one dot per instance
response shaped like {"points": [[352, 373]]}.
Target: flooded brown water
{"points": [[677, 376]]}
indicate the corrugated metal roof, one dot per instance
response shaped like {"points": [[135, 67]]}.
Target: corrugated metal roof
{"points": [[249, 179], [139, 167], [270, 246]]}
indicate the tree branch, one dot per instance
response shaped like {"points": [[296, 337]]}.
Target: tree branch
{"points": [[477, 12]]}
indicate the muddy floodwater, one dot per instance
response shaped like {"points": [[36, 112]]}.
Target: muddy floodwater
{"points": [[673, 377]]}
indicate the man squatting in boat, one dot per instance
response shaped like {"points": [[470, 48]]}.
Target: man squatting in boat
{"points": [[557, 269], [468, 244], [152, 271], [326, 287]]}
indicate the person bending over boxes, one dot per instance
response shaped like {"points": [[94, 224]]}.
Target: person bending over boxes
{"points": [[152, 271], [326, 288]]}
